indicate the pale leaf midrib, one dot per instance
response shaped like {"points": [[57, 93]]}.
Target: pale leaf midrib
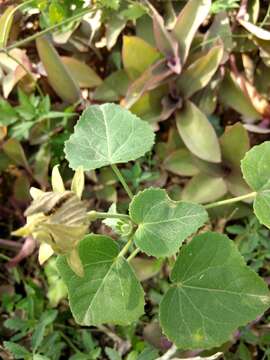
{"points": [[229, 292], [114, 261]]}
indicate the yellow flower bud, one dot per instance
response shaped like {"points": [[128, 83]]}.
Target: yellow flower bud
{"points": [[58, 219]]}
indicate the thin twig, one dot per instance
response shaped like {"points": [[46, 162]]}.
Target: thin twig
{"points": [[47, 30], [122, 180], [123, 345], [10, 244], [169, 353]]}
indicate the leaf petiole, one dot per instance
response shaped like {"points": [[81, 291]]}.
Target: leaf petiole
{"points": [[133, 254], [122, 180], [230, 201], [125, 248], [93, 215]]}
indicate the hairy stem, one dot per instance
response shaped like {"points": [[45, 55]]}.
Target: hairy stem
{"points": [[104, 215], [231, 201], [122, 180], [133, 254], [125, 248], [69, 342]]}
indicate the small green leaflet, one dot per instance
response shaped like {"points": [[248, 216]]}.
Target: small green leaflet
{"points": [[107, 134], [213, 293], [256, 171], [18, 351], [109, 291], [163, 224]]}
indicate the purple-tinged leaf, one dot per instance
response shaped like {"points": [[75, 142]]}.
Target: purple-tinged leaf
{"points": [[188, 22], [197, 133], [166, 42], [200, 72], [149, 80]]}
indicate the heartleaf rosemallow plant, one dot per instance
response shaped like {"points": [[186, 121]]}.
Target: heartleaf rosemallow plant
{"points": [[212, 292]]}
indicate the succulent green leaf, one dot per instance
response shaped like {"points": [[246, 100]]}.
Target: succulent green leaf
{"points": [[236, 184], [234, 144], [166, 43], [144, 29], [109, 291], [197, 133], [58, 74], [204, 188], [232, 96], [114, 26], [255, 30], [6, 20], [163, 224], [149, 105], [14, 150], [220, 29], [181, 162], [200, 72], [213, 293], [83, 74], [256, 171], [113, 87], [152, 78], [107, 134], [133, 64], [188, 22]]}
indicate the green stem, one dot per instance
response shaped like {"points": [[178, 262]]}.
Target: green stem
{"points": [[231, 201], [47, 30], [122, 180], [125, 248], [133, 254], [266, 17], [69, 342], [104, 215]]}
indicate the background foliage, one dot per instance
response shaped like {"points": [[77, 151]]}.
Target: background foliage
{"points": [[208, 107]]}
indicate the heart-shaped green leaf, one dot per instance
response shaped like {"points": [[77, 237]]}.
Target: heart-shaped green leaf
{"points": [[163, 224], [214, 293], [109, 291], [197, 133], [105, 135], [256, 171]]}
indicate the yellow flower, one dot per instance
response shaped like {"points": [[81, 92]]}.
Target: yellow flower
{"points": [[58, 219]]}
